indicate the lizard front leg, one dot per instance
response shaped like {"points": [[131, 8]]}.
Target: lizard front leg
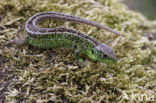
{"points": [[78, 56]]}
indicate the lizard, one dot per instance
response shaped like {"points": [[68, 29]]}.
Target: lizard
{"points": [[59, 37]]}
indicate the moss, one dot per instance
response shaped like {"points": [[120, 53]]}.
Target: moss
{"points": [[51, 75]]}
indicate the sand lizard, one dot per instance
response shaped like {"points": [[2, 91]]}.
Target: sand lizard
{"points": [[68, 38]]}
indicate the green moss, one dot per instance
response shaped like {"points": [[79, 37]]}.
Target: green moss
{"points": [[51, 75]]}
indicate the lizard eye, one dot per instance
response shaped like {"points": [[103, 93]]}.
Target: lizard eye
{"points": [[105, 56]]}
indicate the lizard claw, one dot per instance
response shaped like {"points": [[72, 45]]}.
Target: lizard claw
{"points": [[80, 62]]}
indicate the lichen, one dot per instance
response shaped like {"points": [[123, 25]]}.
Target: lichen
{"points": [[40, 76]]}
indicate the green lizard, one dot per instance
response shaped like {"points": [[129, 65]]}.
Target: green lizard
{"points": [[63, 37]]}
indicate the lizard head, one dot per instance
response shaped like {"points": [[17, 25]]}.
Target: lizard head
{"points": [[102, 53]]}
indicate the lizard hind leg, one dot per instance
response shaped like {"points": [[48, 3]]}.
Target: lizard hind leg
{"points": [[18, 42]]}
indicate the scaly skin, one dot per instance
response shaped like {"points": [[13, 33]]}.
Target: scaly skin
{"points": [[63, 37]]}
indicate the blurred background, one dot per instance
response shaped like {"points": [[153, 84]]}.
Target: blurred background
{"points": [[146, 7]]}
